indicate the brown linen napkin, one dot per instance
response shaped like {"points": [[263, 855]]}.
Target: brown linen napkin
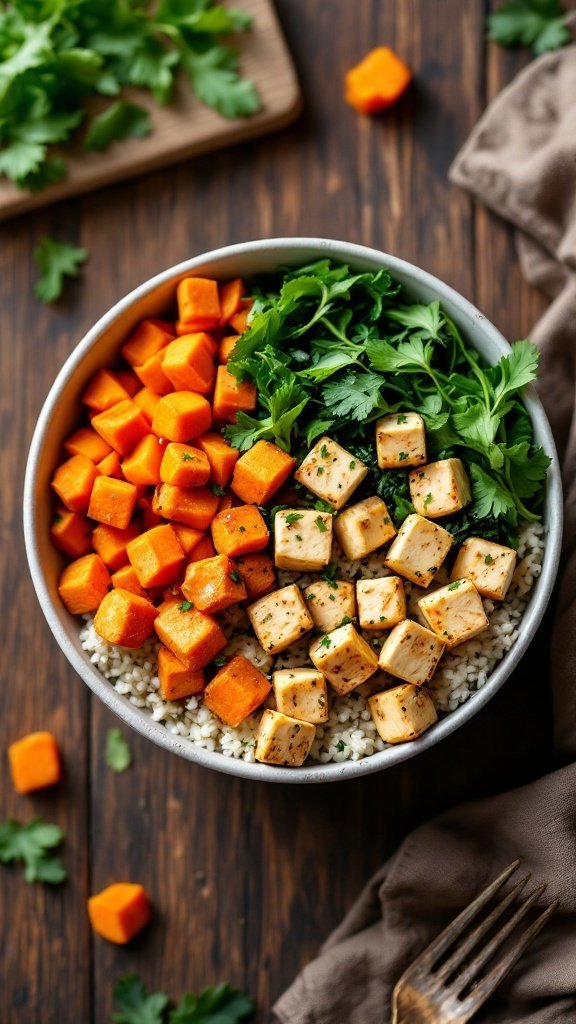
{"points": [[521, 161]]}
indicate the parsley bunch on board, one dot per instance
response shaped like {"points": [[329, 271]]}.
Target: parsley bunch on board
{"points": [[538, 24], [331, 351], [220, 1005], [55, 54], [29, 845]]}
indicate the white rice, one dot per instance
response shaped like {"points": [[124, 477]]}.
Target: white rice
{"points": [[349, 733]]}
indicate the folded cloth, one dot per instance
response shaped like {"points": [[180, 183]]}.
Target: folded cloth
{"points": [[521, 161]]}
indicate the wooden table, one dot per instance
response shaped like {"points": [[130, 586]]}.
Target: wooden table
{"points": [[247, 879]]}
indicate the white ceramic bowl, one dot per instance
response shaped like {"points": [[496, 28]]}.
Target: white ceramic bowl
{"points": [[99, 348]]}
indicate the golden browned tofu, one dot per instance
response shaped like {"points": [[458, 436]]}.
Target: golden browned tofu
{"points": [[403, 713], [280, 618], [400, 440], [490, 567], [363, 527], [418, 550], [381, 602], [301, 693], [302, 539], [440, 488], [283, 740], [344, 657], [411, 652], [455, 612], [330, 602], [330, 472]]}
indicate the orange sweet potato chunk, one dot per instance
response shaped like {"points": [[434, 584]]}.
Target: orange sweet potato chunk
{"points": [[193, 637], [203, 549], [156, 556], [151, 375], [111, 543], [260, 472], [221, 456], [239, 531], [377, 82], [125, 619], [71, 533], [236, 691], [103, 391], [232, 396], [112, 501], [226, 348], [239, 321], [231, 293], [147, 340], [257, 572], [147, 400], [122, 426], [83, 584], [86, 441], [184, 466], [110, 466], [188, 363], [142, 466], [181, 416], [188, 537], [34, 762], [192, 506], [73, 482], [128, 380], [119, 911], [177, 681], [213, 584], [126, 579], [199, 302]]}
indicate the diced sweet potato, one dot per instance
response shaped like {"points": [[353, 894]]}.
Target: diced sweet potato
{"points": [[213, 584], [181, 416], [147, 340], [147, 400], [125, 619], [126, 579], [221, 456], [73, 482], [257, 571], [156, 556], [34, 762], [232, 396], [184, 466], [188, 363], [236, 691], [177, 681], [86, 441], [188, 537], [239, 531], [149, 517], [110, 466], [112, 501], [128, 380], [226, 348], [203, 549], [104, 391], [119, 911], [260, 472], [199, 302], [231, 293], [110, 543], [151, 375], [83, 584], [122, 426], [239, 321], [71, 533], [195, 638], [142, 466], [192, 506]]}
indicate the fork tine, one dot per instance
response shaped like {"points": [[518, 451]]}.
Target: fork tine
{"points": [[462, 951], [488, 984], [439, 945], [486, 954]]}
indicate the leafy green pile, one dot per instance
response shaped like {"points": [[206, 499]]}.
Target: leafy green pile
{"points": [[29, 845], [55, 54], [220, 1005], [331, 351], [539, 24]]}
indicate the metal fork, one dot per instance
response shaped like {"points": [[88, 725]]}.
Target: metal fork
{"points": [[436, 990]]}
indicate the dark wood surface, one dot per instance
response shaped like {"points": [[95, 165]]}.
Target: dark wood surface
{"points": [[247, 879]]}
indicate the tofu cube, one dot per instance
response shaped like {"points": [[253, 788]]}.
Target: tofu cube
{"points": [[364, 527], [283, 740], [490, 567], [344, 657], [330, 472], [440, 488], [381, 602], [301, 693], [455, 612], [330, 603], [280, 618], [403, 713], [302, 539], [411, 653], [418, 550], [400, 440]]}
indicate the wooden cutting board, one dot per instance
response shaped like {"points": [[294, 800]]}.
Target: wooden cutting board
{"points": [[185, 128]]}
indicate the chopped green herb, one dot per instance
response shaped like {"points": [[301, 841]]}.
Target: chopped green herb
{"points": [[299, 538], [539, 24], [235, 576], [325, 641], [293, 517], [310, 597], [329, 575], [455, 585], [220, 660], [324, 452], [345, 621], [241, 529], [331, 597], [119, 121], [340, 746], [429, 497], [319, 471], [402, 456], [185, 606], [401, 418], [267, 617], [488, 559], [118, 753], [187, 457], [217, 490], [134, 1004], [28, 845], [324, 506], [352, 465], [321, 524]]}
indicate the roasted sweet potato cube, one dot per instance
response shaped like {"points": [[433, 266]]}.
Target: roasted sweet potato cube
{"points": [[213, 584], [221, 456], [126, 579], [83, 584], [231, 294], [122, 426], [110, 543], [110, 466], [260, 472], [192, 506], [151, 375], [156, 556], [73, 482], [34, 762], [239, 531], [181, 416], [188, 363], [177, 681], [226, 348], [125, 619], [119, 911], [232, 395], [257, 572], [86, 441], [195, 638], [147, 400], [104, 391], [203, 549], [71, 533], [112, 501], [188, 537], [199, 302], [147, 340], [142, 466], [184, 466], [236, 691]]}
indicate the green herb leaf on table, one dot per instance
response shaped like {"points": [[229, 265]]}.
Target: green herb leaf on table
{"points": [[56, 261], [119, 121], [220, 1005], [135, 1005], [538, 24], [28, 844], [118, 753]]}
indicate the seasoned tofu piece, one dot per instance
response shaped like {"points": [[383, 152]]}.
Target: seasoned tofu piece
{"points": [[302, 694], [330, 472], [283, 740], [364, 527], [440, 488], [302, 539], [411, 653], [490, 567], [280, 618], [402, 713], [418, 550], [330, 602], [344, 657], [381, 602], [400, 440], [455, 612]]}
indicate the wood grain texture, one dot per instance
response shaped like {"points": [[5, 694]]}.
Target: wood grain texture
{"points": [[247, 879], [185, 127]]}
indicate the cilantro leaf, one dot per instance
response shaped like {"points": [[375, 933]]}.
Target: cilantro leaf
{"points": [[516, 370], [430, 319], [220, 1005], [27, 844], [119, 121], [216, 82], [539, 24], [356, 395], [135, 1005], [118, 753], [491, 496], [56, 260]]}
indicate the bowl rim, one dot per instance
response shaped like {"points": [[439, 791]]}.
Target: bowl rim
{"points": [[141, 720]]}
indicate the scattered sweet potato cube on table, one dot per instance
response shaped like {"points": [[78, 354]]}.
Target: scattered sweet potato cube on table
{"points": [[378, 81], [236, 691], [119, 911], [34, 762]]}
